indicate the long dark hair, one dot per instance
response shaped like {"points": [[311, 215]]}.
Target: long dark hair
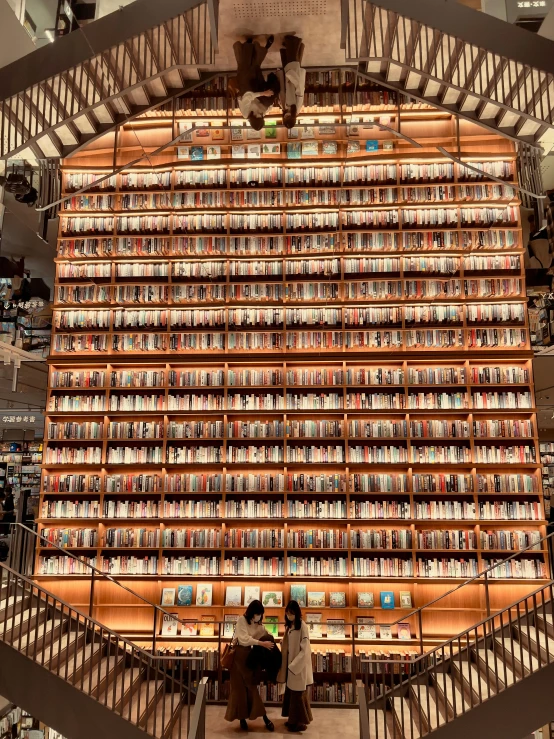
{"points": [[255, 608], [293, 607]]}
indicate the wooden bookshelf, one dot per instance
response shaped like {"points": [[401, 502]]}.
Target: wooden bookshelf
{"points": [[334, 344]]}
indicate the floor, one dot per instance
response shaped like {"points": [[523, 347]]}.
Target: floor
{"points": [[325, 724]]}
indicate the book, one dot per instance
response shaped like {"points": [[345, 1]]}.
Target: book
{"points": [[186, 129], [168, 597], [197, 153], [272, 598], [271, 624], [385, 632], [293, 133], [207, 626], [252, 135], [353, 147], [366, 627], [298, 593], [229, 624], [238, 152], [236, 133], [294, 151], [329, 147], [404, 632], [273, 149], [254, 151], [337, 600], [314, 623], [203, 129], [327, 130], [183, 152], [233, 595], [310, 148], [217, 134], [335, 628], [372, 145], [405, 599], [385, 120], [366, 600], [213, 152], [387, 599], [204, 594], [308, 132], [388, 145], [316, 600], [169, 624], [189, 628], [251, 592], [270, 130], [352, 130], [184, 595]]}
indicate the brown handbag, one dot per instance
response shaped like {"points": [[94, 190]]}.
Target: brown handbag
{"points": [[228, 656]]}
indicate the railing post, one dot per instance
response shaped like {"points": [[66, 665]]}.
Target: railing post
{"points": [[154, 629], [344, 22], [91, 599], [420, 629]]}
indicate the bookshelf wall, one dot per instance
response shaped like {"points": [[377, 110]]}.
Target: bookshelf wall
{"points": [[283, 372]]}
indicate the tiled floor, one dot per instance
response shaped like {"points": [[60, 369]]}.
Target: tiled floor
{"points": [[328, 723]]}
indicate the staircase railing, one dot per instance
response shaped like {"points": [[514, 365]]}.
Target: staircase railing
{"points": [[197, 728], [492, 641], [23, 547], [39, 624], [497, 641]]}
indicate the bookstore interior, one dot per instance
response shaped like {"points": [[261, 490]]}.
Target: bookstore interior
{"points": [[292, 364]]}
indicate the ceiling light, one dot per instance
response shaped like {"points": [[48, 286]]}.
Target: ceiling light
{"points": [[49, 33]]}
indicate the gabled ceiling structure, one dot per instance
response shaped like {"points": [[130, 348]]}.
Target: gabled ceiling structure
{"points": [[61, 96], [456, 58]]}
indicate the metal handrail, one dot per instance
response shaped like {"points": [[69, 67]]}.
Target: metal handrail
{"points": [[443, 667], [483, 574], [197, 727], [169, 679], [95, 571]]}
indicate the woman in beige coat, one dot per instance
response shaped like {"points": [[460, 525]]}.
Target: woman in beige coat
{"points": [[296, 670]]}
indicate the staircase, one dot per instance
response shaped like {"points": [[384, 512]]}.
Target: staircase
{"points": [[53, 655], [495, 680], [62, 96], [450, 56]]}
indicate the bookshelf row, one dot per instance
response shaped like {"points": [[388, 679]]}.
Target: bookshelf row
{"points": [[391, 218], [252, 374], [289, 197], [509, 338], [531, 566], [459, 240], [441, 177]]}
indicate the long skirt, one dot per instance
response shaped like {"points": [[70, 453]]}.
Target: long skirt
{"points": [[244, 699], [296, 705]]}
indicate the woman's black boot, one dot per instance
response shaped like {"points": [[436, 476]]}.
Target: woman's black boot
{"points": [[268, 724], [243, 724]]}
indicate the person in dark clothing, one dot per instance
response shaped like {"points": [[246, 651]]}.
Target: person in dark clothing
{"points": [[244, 699], [8, 506], [255, 94]]}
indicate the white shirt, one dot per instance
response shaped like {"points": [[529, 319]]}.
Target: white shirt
{"points": [[293, 83], [249, 635], [249, 103]]}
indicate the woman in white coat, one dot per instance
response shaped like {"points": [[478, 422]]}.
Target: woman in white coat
{"points": [[296, 670]]}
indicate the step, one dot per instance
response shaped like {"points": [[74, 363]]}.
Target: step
{"points": [[164, 715], [19, 624], [474, 681], [406, 718], [495, 662], [38, 639], [521, 659], [545, 622], [430, 715], [533, 638], [451, 691]]}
